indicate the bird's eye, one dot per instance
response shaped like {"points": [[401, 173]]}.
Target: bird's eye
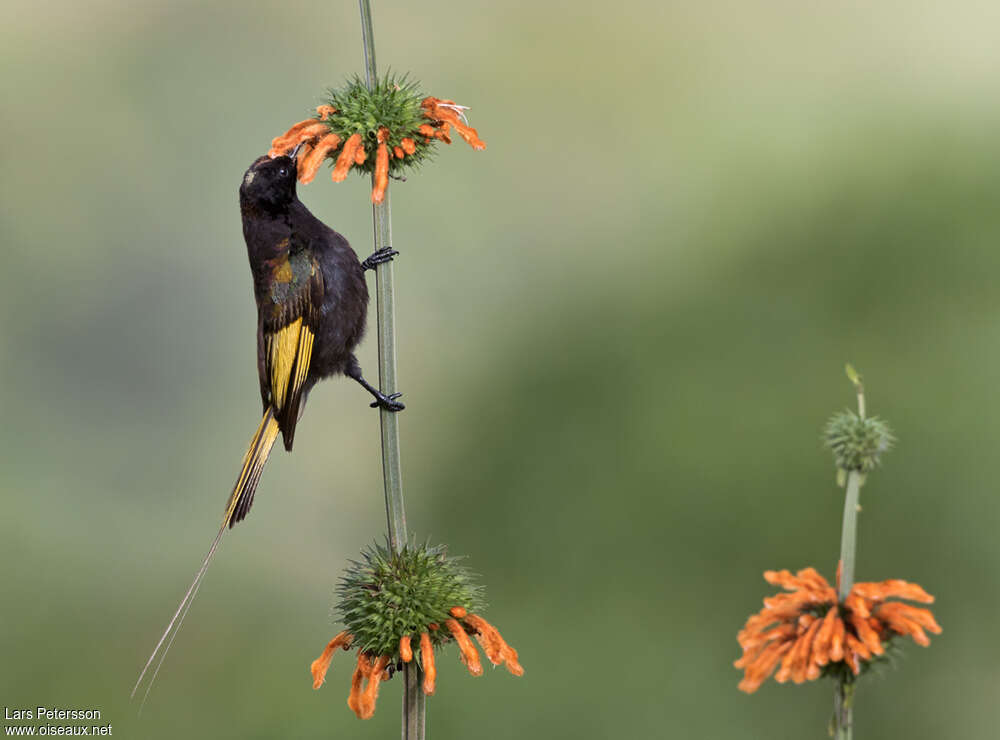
{"points": [[283, 172]]}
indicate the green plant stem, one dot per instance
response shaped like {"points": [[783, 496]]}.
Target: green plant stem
{"points": [[849, 534], [389, 421], [842, 711], [414, 704], [843, 700]]}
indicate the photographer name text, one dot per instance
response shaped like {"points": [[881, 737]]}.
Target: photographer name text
{"points": [[50, 713]]}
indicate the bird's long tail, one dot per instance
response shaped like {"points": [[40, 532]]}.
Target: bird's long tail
{"points": [[236, 509]]}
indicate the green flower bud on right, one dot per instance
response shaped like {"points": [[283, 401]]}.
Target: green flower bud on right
{"points": [[857, 444]]}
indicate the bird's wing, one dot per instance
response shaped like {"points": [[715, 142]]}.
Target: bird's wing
{"points": [[287, 333]]}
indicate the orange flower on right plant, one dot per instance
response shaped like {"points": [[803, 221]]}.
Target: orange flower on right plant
{"points": [[806, 633]]}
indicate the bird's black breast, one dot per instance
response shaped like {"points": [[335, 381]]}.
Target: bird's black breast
{"points": [[340, 323]]}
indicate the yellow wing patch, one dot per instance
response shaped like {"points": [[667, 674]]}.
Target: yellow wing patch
{"points": [[289, 352], [305, 357]]}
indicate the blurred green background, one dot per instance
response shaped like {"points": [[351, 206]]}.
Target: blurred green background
{"points": [[621, 329]]}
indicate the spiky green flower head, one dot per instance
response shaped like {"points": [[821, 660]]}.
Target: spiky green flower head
{"points": [[386, 596], [394, 105], [857, 443]]}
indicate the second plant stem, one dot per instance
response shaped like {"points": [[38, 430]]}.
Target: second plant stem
{"points": [[844, 699]]}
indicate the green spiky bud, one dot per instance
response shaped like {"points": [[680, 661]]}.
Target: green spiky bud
{"points": [[386, 596], [394, 104], [857, 443]]}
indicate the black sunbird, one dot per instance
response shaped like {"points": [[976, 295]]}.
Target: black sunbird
{"points": [[312, 302]]}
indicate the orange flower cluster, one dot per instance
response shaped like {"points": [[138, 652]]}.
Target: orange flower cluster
{"points": [[800, 633], [443, 114], [377, 668], [316, 142]]}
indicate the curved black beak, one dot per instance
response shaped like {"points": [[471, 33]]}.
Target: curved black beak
{"points": [[295, 153]]}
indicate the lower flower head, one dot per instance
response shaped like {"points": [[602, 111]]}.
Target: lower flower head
{"points": [[399, 608], [806, 633]]}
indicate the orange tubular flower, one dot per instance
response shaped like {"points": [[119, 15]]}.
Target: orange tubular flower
{"points": [[309, 161], [321, 665], [447, 111], [430, 670], [806, 633], [381, 167], [346, 158], [469, 654], [366, 702], [496, 649], [376, 668], [405, 651], [302, 131], [361, 672]]}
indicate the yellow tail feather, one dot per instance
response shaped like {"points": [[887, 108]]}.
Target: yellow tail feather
{"points": [[239, 504], [253, 465]]}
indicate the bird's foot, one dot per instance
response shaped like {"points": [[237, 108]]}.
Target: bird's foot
{"points": [[389, 403], [385, 254]]}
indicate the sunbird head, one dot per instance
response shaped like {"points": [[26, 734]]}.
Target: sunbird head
{"points": [[270, 183]]}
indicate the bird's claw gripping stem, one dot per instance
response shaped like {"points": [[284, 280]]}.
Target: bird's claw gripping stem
{"points": [[385, 254], [389, 403]]}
